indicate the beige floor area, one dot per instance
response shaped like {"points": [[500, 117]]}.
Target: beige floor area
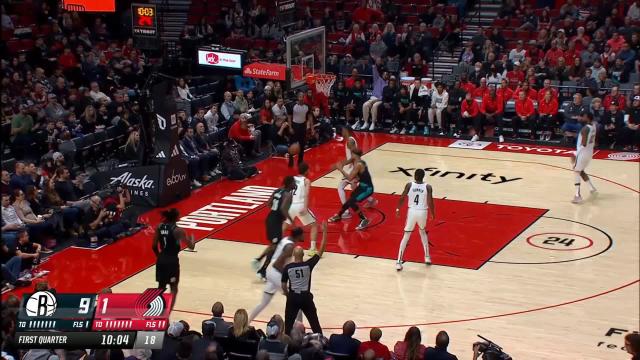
{"points": [[542, 307]]}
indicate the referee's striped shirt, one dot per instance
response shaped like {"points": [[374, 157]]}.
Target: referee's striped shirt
{"points": [[298, 275]]}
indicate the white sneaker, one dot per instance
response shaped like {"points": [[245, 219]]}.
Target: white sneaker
{"points": [[372, 127], [594, 192], [441, 133], [542, 137], [395, 131], [577, 199], [403, 131], [356, 125], [456, 135], [255, 264], [427, 260], [501, 138], [475, 138], [364, 126], [196, 183], [399, 266], [371, 202]]}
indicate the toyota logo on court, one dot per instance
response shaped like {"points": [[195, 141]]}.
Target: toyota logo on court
{"points": [[212, 58], [624, 156]]}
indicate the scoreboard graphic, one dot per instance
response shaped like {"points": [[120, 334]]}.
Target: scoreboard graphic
{"points": [[49, 320]]}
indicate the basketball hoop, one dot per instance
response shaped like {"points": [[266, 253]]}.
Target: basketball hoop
{"points": [[323, 82]]}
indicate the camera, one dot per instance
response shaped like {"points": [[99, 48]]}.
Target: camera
{"points": [[490, 350]]}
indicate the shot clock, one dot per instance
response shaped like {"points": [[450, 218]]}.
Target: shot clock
{"points": [[145, 26], [68, 321]]}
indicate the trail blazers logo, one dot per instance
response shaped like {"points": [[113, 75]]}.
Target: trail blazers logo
{"points": [[150, 303]]}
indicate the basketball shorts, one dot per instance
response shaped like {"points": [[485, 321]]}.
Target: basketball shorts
{"points": [[167, 271], [274, 280], [274, 228], [415, 217], [362, 192], [583, 158], [295, 212]]}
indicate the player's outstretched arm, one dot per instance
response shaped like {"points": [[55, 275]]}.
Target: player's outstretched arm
{"points": [[402, 197], [323, 245], [432, 205]]}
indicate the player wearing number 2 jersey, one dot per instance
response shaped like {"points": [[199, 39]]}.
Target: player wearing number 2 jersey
{"points": [[420, 196], [300, 205]]}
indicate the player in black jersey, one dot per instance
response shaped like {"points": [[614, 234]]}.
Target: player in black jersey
{"points": [[279, 203], [359, 173], [166, 246]]}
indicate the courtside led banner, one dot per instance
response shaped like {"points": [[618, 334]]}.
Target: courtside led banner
{"points": [[220, 59], [267, 71]]}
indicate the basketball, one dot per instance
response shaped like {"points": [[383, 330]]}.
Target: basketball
{"points": [[294, 149]]}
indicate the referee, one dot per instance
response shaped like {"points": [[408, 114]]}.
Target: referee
{"points": [[296, 285], [300, 122]]}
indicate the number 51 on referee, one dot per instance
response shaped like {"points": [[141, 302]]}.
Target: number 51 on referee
{"points": [[296, 285]]}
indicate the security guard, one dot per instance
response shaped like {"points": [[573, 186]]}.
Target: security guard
{"points": [[296, 285]]}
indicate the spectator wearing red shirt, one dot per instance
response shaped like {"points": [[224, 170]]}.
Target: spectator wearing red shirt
{"points": [[466, 85], [524, 86], [515, 75], [616, 42], [482, 90], [243, 134], [266, 119], [348, 82], [417, 67], [547, 114], [67, 60], [504, 92], [492, 108], [553, 54], [525, 114], [581, 40], [469, 114], [381, 350], [613, 96], [546, 86]]}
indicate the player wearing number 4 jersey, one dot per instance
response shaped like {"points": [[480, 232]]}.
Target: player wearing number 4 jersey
{"points": [[420, 197], [299, 208], [166, 246], [584, 153]]}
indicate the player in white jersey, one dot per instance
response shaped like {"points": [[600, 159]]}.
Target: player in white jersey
{"points": [[283, 255], [350, 144], [420, 203], [300, 205], [583, 155]]}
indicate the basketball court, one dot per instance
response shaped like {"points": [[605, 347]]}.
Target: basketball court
{"points": [[514, 259]]}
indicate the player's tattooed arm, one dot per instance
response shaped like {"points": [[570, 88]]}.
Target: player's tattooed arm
{"points": [[432, 205], [402, 197]]}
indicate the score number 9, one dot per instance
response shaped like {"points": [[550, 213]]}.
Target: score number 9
{"points": [[145, 11], [85, 305]]}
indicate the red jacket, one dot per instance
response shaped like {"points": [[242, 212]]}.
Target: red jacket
{"points": [[622, 101], [491, 106], [548, 108], [525, 108], [239, 134], [541, 92], [552, 56], [472, 109], [504, 93], [531, 94], [468, 87], [481, 91]]}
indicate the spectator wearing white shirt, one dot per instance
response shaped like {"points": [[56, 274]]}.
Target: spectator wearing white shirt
{"points": [[439, 102], [279, 110], [184, 96], [228, 107], [519, 53], [212, 118], [97, 95], [634, 11]]}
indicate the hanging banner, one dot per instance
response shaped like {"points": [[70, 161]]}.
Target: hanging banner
{"points": [[261, 70]]}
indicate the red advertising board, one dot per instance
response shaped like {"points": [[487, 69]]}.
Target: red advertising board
{"points": [[261, 70]]}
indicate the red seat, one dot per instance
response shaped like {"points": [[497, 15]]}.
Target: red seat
{"points": [[26, 44], [451, 10], [260, 43], [412, 19], [500, 23], [13, 46], [515, 22], [334, 37]]}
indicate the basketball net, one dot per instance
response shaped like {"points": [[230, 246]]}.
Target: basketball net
{"points": [[323, 82]]}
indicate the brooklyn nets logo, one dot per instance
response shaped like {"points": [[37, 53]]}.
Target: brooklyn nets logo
{"points": [[41, 303], [150, 303]]}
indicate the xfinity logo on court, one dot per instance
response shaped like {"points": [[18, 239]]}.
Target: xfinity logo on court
{"points": [[128, 179], [473, 145], [492, 178], [624, 156], [615, 339], [534, 149], [175, 178]]}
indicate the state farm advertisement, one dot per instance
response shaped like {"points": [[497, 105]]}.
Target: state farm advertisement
{"points": [[268, 71], [220, 59]]}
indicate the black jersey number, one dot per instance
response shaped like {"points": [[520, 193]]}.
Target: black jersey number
{"points": [[298, 273], [416, 200]]}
